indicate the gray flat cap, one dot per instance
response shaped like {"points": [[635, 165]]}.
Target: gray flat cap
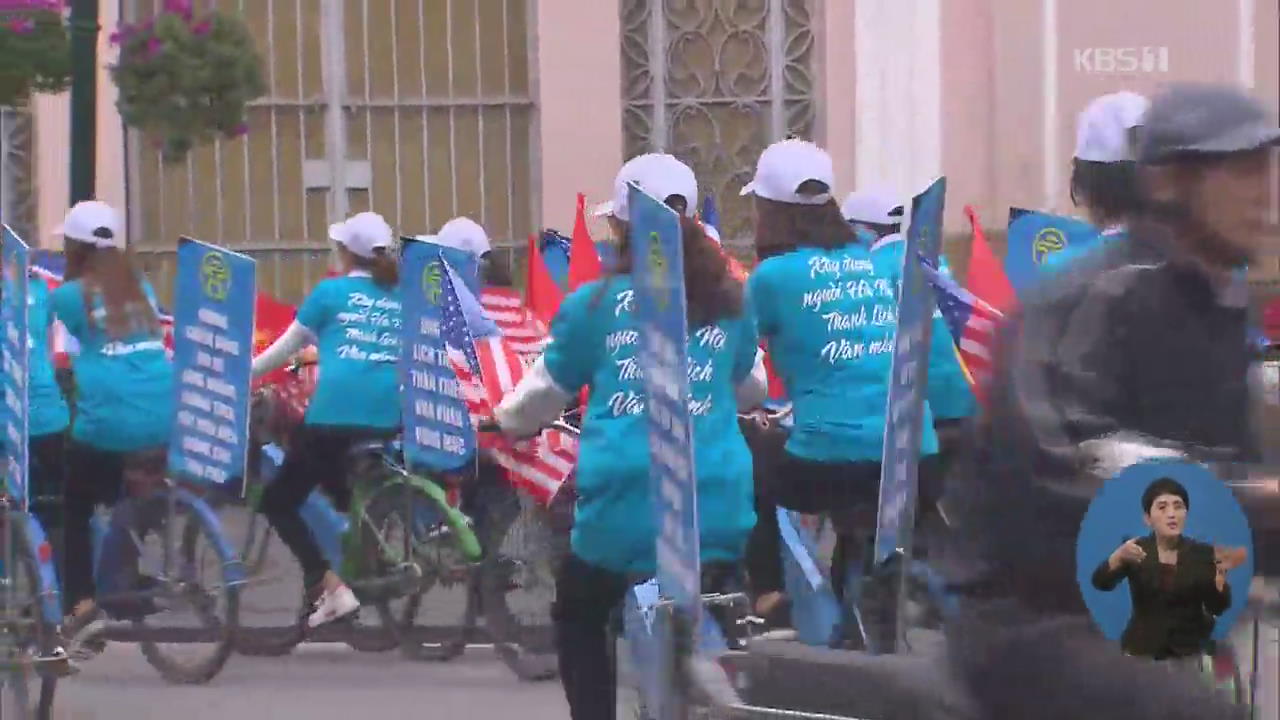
{"points": [[1202, 119]]}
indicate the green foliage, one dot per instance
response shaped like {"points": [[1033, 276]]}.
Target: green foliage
{"points": [[186, 80], [35, 54]]}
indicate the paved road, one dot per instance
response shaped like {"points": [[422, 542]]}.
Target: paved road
{"points": [[317, 682]]}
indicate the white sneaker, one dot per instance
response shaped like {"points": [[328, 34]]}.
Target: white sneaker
{"points": [[333, 605]]}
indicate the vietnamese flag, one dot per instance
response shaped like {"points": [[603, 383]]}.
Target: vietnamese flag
{"points": [[584, 259], [987, 278], [542, 294], [271, 318]]}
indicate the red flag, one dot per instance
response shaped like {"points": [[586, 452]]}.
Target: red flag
{"points": [[270, 319], [584, 259], [540, 465], [543, 294], [987, 279]]}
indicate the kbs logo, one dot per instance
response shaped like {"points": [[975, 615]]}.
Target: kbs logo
{"points": [[1122, 60]]}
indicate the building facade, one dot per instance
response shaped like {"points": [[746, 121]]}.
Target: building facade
{"points": [[504, 109]]}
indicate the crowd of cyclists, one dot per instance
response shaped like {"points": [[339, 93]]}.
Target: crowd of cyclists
{"points": [[1144, 333]]}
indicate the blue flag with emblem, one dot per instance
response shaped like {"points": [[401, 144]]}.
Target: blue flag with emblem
{"points": [[216, 293], [15, 348], [1033, 236], [710, 215], [438, 434]]}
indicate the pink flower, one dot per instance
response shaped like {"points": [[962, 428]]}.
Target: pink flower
{"points": [[202, 28], [122, 33], [178, 7], [240, 130], [22, 25], [154, 47]]}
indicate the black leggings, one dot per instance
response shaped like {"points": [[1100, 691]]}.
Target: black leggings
{"points": [[848, 492], [94, 477], [317, 457], [586, 598]]}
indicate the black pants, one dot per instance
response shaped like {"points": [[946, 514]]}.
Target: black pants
{"points": [[94, 477], [848, 492], [317, 457], [48, 484], [586, 597]]}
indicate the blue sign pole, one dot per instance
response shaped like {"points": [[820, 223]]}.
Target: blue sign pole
{"points": [[215, 290], [904, 415], [16, 344], [658, 278], [437, 426]]}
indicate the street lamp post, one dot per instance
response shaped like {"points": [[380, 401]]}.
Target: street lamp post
{"points": [[84, 97]]}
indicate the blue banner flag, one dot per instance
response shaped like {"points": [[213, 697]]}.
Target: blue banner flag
{"points": [[658, 274], [1034, 236], [908, 377], [438, 435], [16, 344], [555, 255], [215, 296], [710, 215]]}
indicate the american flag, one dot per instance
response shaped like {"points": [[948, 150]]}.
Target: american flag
{"points": [[50, 267], [972, 322], [488, 367], [525, 332]]}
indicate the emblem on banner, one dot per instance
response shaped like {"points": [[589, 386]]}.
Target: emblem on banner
{"points": [[1047, 242], [658, 271], [215, 278], [433, 282]]}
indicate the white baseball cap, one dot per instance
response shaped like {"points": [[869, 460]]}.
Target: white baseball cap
{"points": [[93, 222], [1103, 127], [784, 166], [464, 234], [876, 205], [363, 233], [658, 174]]}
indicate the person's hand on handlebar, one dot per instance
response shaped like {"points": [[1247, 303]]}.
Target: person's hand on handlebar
{"points": [[491, 425]]}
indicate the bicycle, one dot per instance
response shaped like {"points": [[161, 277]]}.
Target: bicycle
{"points": [[399, 539], [155, 547], [30, 613]]}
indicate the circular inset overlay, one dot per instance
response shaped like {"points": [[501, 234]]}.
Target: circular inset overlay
{"points": [[1212, 516]]}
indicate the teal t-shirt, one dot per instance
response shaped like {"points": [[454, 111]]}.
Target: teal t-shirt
{"points": [[48, 409], [830, 319], [357, 329], [595, 343], [949, 394], [124, 386]]}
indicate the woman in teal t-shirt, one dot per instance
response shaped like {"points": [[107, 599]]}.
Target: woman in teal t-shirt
{"points": [[124, 387], [595, 343], [354, 320], [829, 314], [48, 416]]}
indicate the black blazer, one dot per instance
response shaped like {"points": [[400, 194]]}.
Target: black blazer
{"points": [[1174, 623]]}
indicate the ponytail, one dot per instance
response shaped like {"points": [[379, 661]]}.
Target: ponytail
{"points": [[384, 269]]}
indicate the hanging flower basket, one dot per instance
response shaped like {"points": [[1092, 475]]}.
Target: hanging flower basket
{"points": [[186, 79], [35, 53]]}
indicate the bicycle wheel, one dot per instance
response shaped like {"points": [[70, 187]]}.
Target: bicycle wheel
{"points": [[271, 621], [24, 633], [518, 581], [406, 534], [189, 633]]}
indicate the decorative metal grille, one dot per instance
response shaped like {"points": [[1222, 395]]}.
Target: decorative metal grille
{"points": [[417, 109], [713, 82], [17, 191]]}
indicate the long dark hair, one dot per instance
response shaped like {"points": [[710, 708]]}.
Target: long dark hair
{"points": [[782, 227], [1112, 191], [383, 266], [110, 273], [711, 291]]}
